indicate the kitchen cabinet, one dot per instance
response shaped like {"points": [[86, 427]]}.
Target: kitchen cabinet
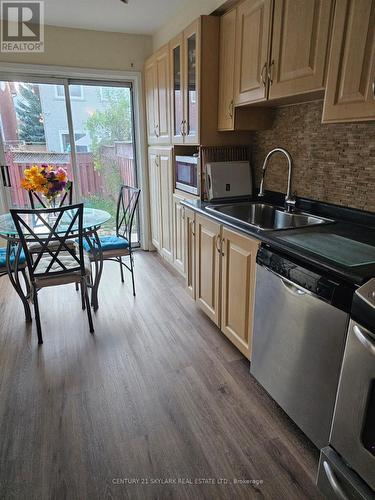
{"points": [[160, 180], [281, 53], [154, 187], [189, 220], [300, 40], [178, 233], [231, 117], [207, 266], [253, 28], [350, 93], [157, 97], [185, 65], [225, 266], [238, 288]]}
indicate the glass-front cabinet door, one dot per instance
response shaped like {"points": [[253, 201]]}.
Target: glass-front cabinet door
{"points": [[177, 85], [191, 67]]}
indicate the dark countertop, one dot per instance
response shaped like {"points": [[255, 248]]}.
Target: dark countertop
{"points": [[351, 224]]}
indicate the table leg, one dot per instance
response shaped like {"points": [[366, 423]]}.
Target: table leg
{"points": [[13, 273]]}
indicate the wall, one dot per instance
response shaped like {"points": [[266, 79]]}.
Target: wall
{"points": [[88, 49], [332, 162], [190, 10]]}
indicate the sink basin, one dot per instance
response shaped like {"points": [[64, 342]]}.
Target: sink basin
{"points": [[267, 217]]}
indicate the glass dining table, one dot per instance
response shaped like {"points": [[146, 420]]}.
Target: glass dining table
{"points": [[93, 219]]}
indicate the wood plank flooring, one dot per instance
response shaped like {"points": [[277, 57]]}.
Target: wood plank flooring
{"points": [[154, 402]]}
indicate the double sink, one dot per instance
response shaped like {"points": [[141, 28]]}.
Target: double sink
{"points": [[267, 217]]}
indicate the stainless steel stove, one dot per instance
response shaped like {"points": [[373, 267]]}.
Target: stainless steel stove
{"points": [[347, 465]]}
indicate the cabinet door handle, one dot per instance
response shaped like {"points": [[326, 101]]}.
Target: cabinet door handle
{"points": [[373, 89], [182, 127], [156, 128], [231, 109], [218, 239], [186, 128], [262, 77], [270, 72], [222, 246], [193, 228]]}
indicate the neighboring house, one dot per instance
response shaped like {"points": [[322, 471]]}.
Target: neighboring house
{"points": [[85, 100]]}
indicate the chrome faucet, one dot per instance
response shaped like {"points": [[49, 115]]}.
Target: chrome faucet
{"points": [[289, 199]]}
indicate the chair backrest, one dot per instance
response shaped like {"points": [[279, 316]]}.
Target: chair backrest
{"points": [[51, 230], [126, 207], [66, 198]]}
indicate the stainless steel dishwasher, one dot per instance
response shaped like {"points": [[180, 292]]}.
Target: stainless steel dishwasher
{"points": [[300, 325]]}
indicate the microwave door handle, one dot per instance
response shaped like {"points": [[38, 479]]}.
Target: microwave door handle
{"points": [[364, 340], [333, 482]]}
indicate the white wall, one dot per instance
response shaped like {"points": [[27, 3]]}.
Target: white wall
{"points": [[190, 10], [88, 49]]}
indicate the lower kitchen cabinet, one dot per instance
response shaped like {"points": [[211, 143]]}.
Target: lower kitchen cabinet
{"points": [[224, 262], [189, 231], [160, 179], [238, 288], [207, 266], [178, 233]]}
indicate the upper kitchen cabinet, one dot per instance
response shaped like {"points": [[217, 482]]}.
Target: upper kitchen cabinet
{"points": [[191, 66], [184, 62], [177, 93], [185, 55], [300, 40], [350, 93], [157, 97], [281, 49], [230, 117], [253, 28], [194, 68]]}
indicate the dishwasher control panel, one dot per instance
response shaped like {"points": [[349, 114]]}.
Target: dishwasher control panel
{"points": [[325, 287]]}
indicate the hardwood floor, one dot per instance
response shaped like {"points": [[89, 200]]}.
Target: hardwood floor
{"points": [[156, 394]]}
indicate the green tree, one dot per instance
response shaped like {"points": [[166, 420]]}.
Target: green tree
{"points": [[113, 123], [29, 114]]}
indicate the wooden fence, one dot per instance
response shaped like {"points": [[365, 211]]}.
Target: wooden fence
{"points": [[91, 181]]}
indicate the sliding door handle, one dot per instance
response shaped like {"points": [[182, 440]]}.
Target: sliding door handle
{"points": [[3, 175], [9, 184]]}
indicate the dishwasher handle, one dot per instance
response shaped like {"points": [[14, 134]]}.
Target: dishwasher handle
{"points": [[292, 288]]}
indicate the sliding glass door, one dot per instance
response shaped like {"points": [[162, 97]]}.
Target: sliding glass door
{"points": [[87, 127], [29, 127]]}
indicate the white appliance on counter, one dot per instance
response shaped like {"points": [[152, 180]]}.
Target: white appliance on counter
{"points": [[228, 179]]}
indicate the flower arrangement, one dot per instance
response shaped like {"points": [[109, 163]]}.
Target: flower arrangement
{"points": [[47, 180]]}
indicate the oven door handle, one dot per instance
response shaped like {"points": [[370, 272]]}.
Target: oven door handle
{"points": [[333, 482], [364, 340]]}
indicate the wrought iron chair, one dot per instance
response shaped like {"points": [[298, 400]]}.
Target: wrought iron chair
{"points": [[66, 199], [56, 263], [119, 245], [13, 261]]}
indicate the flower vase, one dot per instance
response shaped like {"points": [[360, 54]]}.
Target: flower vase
{"points": [[52, 216]]}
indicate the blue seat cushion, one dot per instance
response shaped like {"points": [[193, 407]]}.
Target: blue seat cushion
{"points": [[111, 242], [3, 256]]}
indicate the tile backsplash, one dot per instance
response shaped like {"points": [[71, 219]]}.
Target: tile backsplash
{"points": [[334, 163]]}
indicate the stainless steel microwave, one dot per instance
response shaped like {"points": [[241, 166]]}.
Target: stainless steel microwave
{"points": [[187, 174]]}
